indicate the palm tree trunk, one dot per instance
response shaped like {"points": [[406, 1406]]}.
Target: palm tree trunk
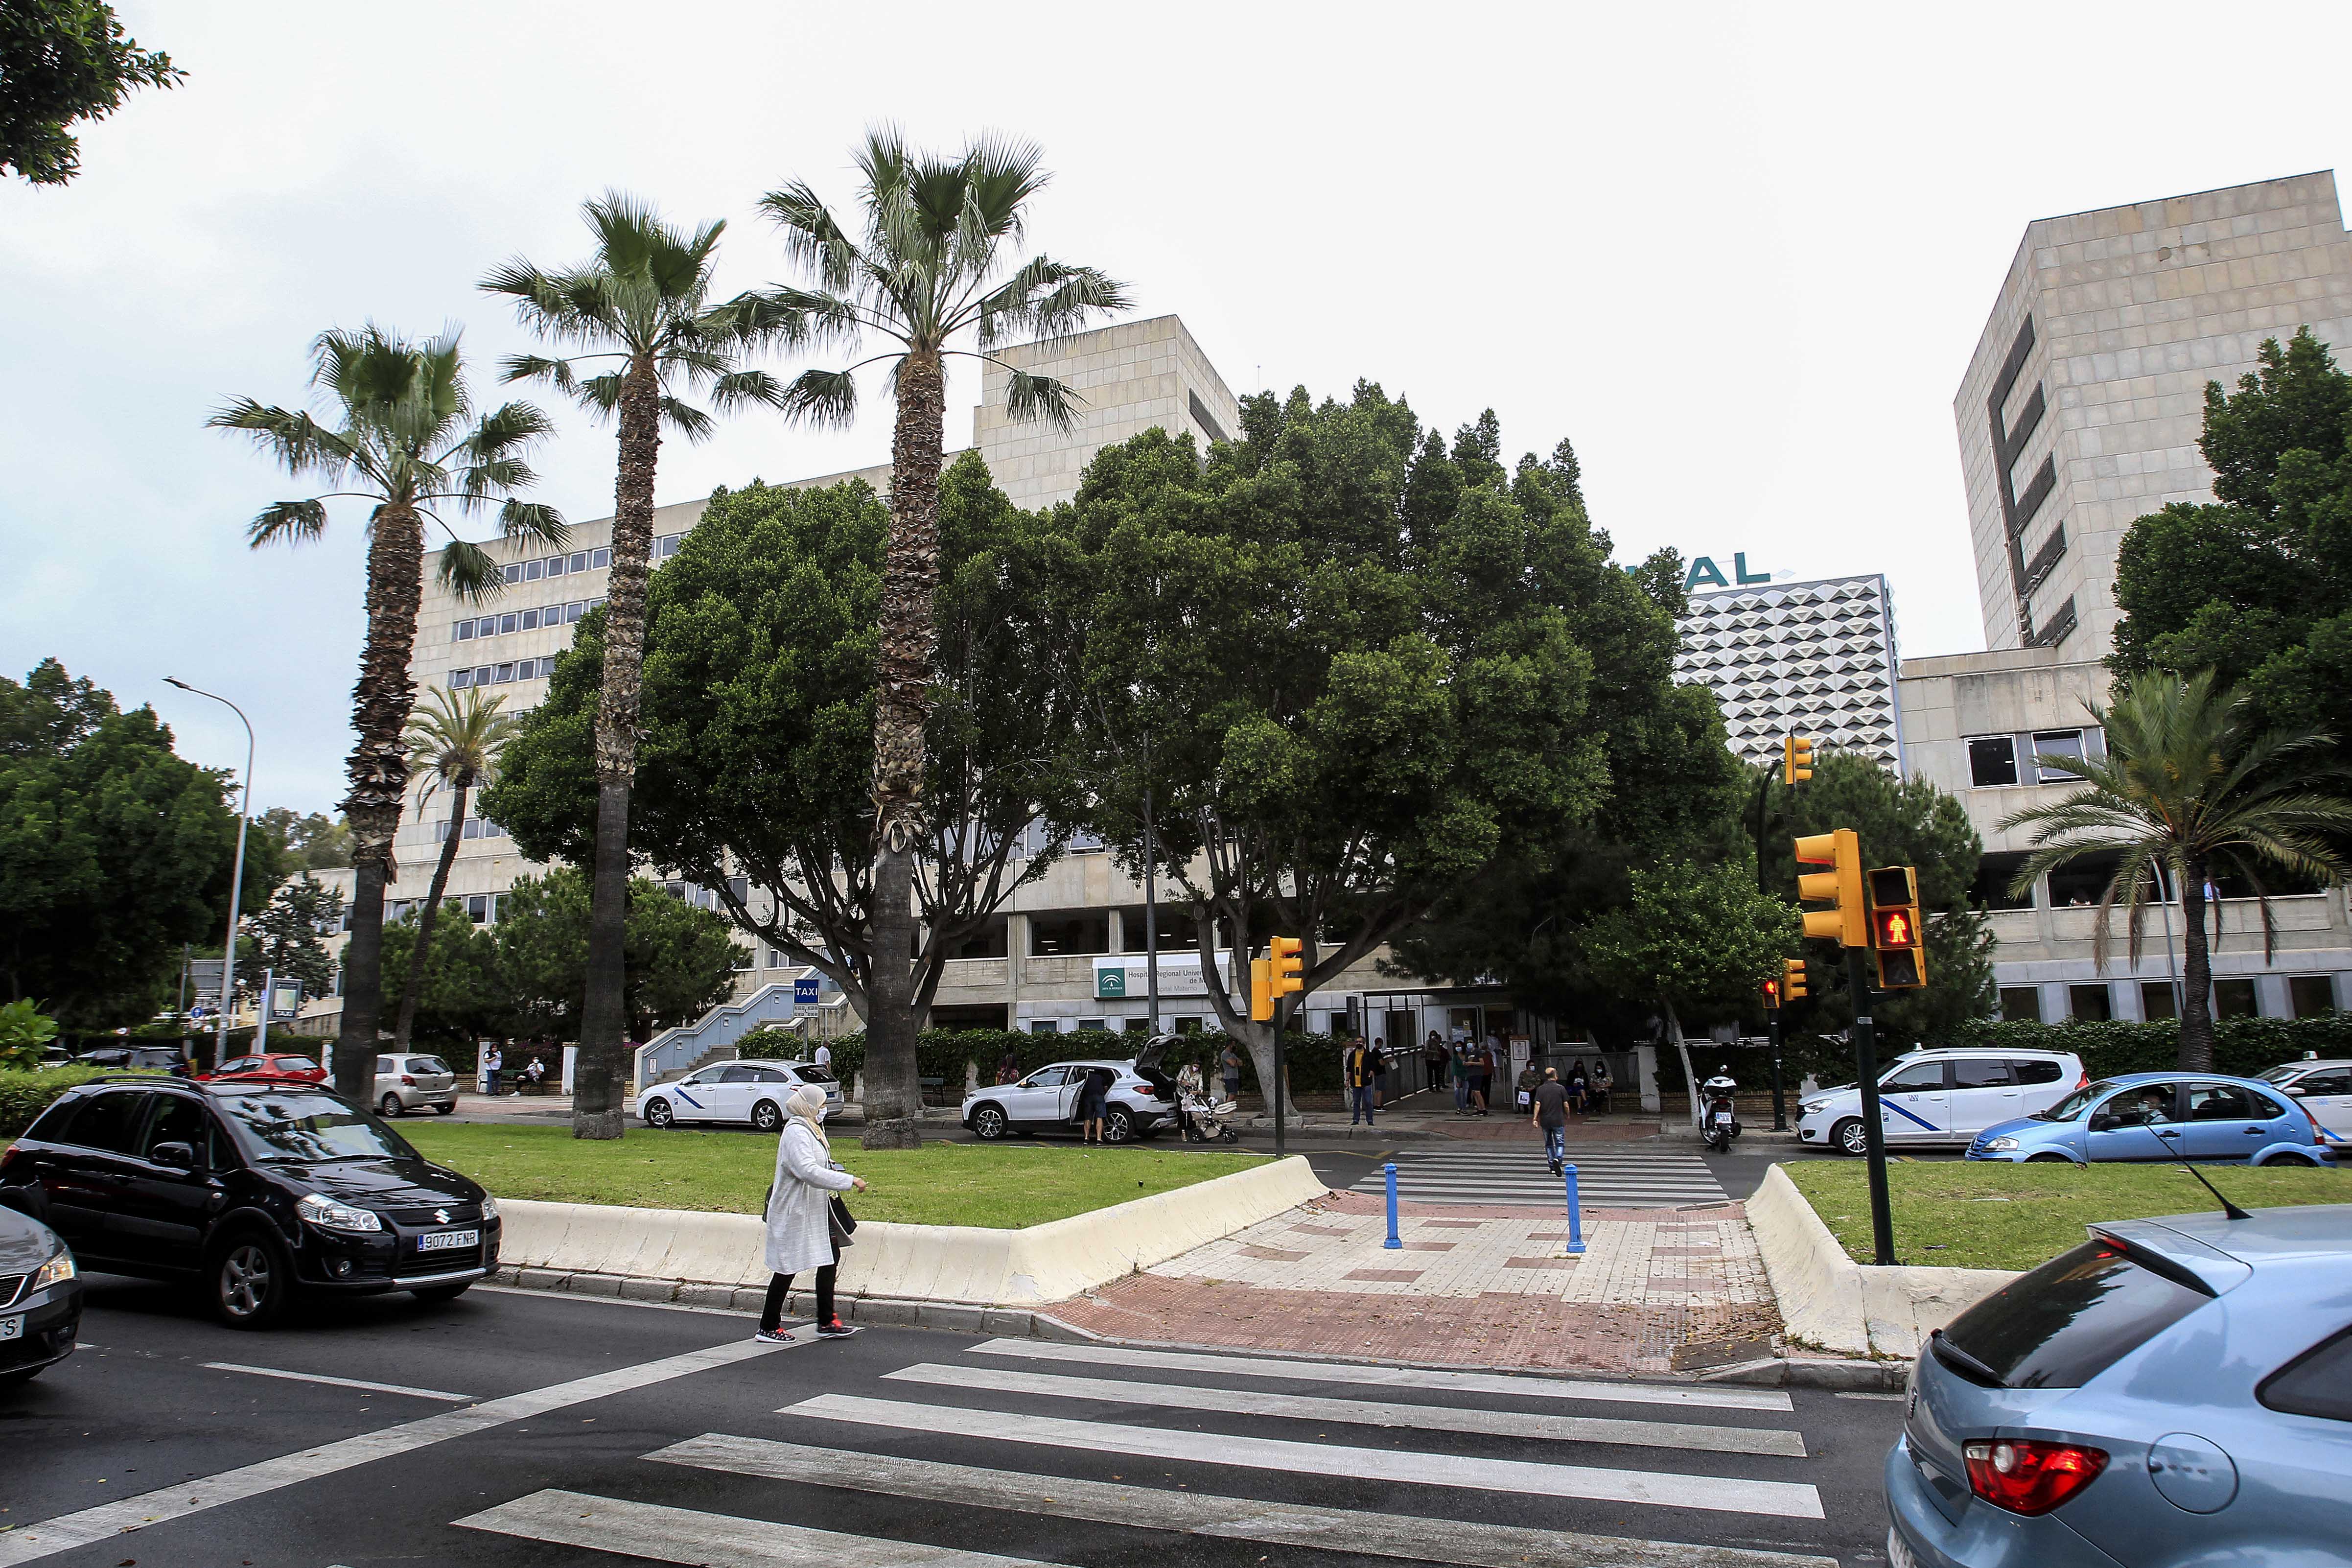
{"points": [[596, 1109], [2197, 977], [415, 983], [378, 769], [911, 575]]}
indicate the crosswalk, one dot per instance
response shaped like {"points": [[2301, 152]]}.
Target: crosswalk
{"points": [[1623, 1177], [1231, 1425]]}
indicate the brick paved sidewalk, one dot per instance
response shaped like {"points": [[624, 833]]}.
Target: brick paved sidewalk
{"points": [[1657, 1289]]}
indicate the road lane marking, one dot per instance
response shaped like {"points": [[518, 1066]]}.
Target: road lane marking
{"points": [[30, 1542], [1720, 1494], [1367, 1413], [341, 1382], [1413, 1538], [1712, 1396], [662, 1535]]}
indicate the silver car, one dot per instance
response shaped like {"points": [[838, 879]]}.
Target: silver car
{"points": [[414, 1082], [2324, 1090]]}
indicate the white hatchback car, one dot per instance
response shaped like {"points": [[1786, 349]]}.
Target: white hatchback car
{"points": [[753, 1091], [2324, 1090], [1942, 1097], [414, 1082]]}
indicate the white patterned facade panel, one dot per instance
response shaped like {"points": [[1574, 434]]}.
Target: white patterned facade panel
{"points": [[1815, 659]]}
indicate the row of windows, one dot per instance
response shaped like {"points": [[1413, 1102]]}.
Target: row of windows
{"points": [[2307, 996], [522, 620], [476, 827], [482, 908], [499, 674], [1997, 760], [557, 566]]}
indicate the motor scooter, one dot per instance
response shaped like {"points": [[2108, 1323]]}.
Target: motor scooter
{"points": [[1718, 1123]]}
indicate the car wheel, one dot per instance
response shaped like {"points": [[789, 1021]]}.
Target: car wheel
{"points": [[2292, 1160], [445, 1110], [766, 1117], [1118, 1127], [437, 1293], [657, 1113], [2046, 1159], [1848, 1137], [988, 1123], [388, 1107], [252, 1279]]}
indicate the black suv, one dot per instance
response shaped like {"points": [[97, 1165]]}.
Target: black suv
{"points": [[256, 1188]]}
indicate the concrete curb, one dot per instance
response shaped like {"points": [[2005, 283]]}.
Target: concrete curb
{"points": [[1830, 1302], [954, 1317], [932, 1265]]}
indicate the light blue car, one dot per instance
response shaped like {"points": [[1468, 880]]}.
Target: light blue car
{"points": [[2202, 1117], [2172, 1394]]}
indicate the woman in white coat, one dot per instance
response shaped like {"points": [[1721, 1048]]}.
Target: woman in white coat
{"points": [[800, 1214]]}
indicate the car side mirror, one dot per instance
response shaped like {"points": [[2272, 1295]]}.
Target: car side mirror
{"points": [[2103, 1122], [2297, 1091], [179, 1156]]}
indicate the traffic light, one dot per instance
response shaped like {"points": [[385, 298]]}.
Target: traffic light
{"points": [[1894, 933], [1796, 759], [1771, 995], [1793, 984], [1261, 989], [1840, 887], [1284, 951]]}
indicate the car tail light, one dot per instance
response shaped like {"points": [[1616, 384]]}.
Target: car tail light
{"points": [[2030, 1478], [2083, 1081], [408, 1080], [7, 1154]]}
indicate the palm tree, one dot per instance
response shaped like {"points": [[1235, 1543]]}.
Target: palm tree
{"points": [[405, 441], [455, 742], [2189, 788], [942, 239], [640, 306]]}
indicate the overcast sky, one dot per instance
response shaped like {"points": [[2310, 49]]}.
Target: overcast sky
{"points": [[1739, 257]]}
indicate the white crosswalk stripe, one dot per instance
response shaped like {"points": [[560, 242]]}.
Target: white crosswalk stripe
{"points": [[1517, 1177]]}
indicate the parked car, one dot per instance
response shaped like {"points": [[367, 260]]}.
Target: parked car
{"points": [[735, 1091], [2164, 1116], [255, 1190], [2172, 1391], [40, 1297], [414, 1082], [2322, 1088], [137, 1058], [1141, 1101], [300, 1069], [1942, 1097]]}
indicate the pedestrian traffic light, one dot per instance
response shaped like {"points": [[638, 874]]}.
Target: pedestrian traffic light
{"points": [[1771, 996], [1261, 989], [1895, 934], [1840, 887], [1285, 951], [1796, 759], [1793, 986]]}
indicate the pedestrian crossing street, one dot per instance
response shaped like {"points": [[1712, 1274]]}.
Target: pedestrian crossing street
{"points": [[1730, 1457], [1614, 1177]]}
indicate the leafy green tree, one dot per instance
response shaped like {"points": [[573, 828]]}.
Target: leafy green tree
{"points": [[26, 1034], [640, 307], [1692, 937], [454, 744], [113, 852], [1362, 663], [758, 757], [464, 992], [407, 443], [939, 259], [61, 62], [285, 935], [2192, 788], [680, 960], [308, 841], [2256, 585], [1905, 822]]}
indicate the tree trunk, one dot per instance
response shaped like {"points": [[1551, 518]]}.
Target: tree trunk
{"points": [[414, 988], [909, 637], [596, 1108], [1682, 1053], [378, 769], [2197, 977]]}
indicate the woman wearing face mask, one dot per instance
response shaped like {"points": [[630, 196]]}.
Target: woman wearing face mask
{"points": [[801, 1231]]}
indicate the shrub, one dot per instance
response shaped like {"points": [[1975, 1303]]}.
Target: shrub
{"points": [[25, 1095]]}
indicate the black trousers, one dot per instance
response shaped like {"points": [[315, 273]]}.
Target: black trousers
{"points": [[780, 1285]]}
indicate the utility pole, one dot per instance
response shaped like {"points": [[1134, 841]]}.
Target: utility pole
{"points": [[1150, 900], [236, 874], [1865, 1062]]}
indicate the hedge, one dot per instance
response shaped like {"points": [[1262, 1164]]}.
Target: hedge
{"points": [[25, 1095], [1313, 1059]]}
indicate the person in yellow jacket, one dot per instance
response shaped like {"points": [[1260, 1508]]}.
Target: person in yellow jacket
{"points": [[1360, 1071]]}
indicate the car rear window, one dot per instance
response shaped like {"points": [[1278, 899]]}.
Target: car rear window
{"points": [[297, 1064], [2316, 1383], [427, 1065], [2070, 1319], [813, 1075], [2035, 1072]]}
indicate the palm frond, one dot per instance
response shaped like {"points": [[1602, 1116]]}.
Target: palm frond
{"points": [[287, 522], [685, 419], [814, 239], [556, 373], [825, 398], [1031, 396], [503, 429], [534, 521], [469, 571], [299, 443], [739, 387]]}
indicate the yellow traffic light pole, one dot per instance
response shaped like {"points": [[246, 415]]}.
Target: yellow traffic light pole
{"points": [[1272, 977], [1847, 923], [1796, 766]]}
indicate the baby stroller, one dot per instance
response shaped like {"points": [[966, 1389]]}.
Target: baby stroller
{"points": [[1204, 1120]]}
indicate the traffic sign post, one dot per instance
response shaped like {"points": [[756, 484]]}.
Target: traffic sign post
{"points": [[1874, 1133], [1848, 923]]}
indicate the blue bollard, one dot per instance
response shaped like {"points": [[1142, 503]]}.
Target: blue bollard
{"points": [[1575, 1215], [1392, 1241]]}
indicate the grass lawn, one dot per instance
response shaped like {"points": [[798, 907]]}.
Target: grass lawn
{"points": [[1983, 1214], [991, 1186]]}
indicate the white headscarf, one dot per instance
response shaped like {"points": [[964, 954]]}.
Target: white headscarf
{"points": [[808, 1103]]}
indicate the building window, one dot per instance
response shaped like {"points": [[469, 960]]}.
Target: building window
{"points": [[2158, 1001], [580, 560], [513, 573], [1096, 1025], [1992, 762], [574, 611], [2089, 1004], [2021, 1003], [555, 565], [2311, 994], [600, 559], [2058, 743], [473, 827], [1188, 1026], [508, 622], [1045, 1026], [460, 678], [532, 570], [745, 958], [667, 545], [482, 674], [2234, 999], [477, 909], [465, 630], [529, 620], [1072, 932], [2082, 882], [1990, 889]]}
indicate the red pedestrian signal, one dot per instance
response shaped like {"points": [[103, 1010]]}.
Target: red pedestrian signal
{"points": [[1771, 993], [1892, 928]]}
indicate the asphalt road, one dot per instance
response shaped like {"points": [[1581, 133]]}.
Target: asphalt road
{"points": [[524, 1427]]}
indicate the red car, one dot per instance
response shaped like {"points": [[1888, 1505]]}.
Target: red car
{"points": [[301, 1069]]}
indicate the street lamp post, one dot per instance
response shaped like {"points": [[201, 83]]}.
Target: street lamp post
{"points": [[236, 874], [1151, 899]]}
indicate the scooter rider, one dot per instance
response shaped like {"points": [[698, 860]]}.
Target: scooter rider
{"points": [[1720, 1124]]}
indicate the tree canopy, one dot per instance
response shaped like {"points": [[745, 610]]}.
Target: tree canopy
{"points": [[307, 841], [62, 62], [680, 960], [285, 935]]}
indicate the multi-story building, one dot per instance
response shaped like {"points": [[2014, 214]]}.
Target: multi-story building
{"points": [[1799, 658]]}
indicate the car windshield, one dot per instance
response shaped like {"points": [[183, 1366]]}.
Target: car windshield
{"points": [[2072, 1108], [2280, 1074], [286, 1127]]}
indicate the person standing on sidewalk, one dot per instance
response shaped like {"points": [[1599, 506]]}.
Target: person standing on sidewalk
{"points": [[1229, 1065], [800, 1215], [1457, 1063], [490, 1066], [1361, 1069], [1551, 1118]]}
